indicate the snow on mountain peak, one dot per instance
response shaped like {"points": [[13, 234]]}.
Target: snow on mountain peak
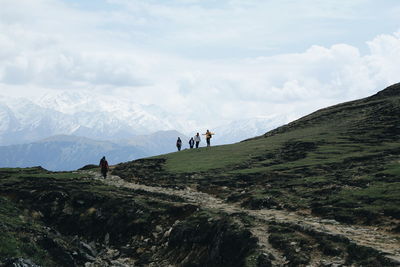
{"points": [[81, 113], [107, 118], [67, 102]]}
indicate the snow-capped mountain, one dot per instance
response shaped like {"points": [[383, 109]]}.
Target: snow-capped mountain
{"points": [[107, 118], [108, 114], [23, 120]]}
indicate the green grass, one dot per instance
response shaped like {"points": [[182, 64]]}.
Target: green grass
{"points": [[227, 156], [9, 246], [17, 235], [331, 148], [393, 168], [375, 196], [61, 175], [204, 159], [10, 174], [10, 219]]}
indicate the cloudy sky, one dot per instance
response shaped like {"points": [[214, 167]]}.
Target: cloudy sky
{"points": [[211, 61]]}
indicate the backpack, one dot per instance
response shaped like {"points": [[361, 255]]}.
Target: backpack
{"points": [[104, 164]]}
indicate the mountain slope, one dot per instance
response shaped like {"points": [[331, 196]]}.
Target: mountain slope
{"points": [[373, 119], [341, 162]]}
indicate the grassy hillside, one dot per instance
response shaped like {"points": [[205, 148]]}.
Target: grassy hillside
{"points": [[341, 162]]}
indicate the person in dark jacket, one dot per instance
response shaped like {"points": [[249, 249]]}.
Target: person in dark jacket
{"points": [[191, 143], [104, 167], [179, 143]]}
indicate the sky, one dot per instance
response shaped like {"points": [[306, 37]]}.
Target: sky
{"points": [[211, 61]]}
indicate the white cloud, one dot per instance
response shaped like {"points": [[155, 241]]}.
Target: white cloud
{"points": [[292, 83], [152, 52]]}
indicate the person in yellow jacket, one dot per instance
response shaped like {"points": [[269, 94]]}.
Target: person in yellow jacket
{"points": [[208, 135]]}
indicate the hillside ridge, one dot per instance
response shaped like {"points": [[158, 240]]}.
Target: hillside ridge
{"points": [[391, 91]]}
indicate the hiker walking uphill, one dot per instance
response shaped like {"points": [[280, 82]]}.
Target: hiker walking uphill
{"points": [[104, 167], [208, 135], [191, 143], [179, 143]]}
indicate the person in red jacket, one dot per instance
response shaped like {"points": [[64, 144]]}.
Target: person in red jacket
{"points": [[104, 167]]}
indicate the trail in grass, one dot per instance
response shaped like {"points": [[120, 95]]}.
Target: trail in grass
{"points": [[380, 240]]}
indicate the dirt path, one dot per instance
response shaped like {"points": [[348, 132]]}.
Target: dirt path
{"points": [[387, 243]]}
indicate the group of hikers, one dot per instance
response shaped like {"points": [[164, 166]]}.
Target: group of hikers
{"points": [[195, 140]]}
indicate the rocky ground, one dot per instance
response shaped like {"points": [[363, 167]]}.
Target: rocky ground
{"points": [[82, 219], [75, 219], [267, 225]]}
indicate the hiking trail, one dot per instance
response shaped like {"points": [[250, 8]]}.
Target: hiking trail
{"points": [[388, 244]]}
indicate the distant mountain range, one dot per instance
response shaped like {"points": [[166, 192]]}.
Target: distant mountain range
{"points": [[66, 152], [67, 130], [97, 117], [23, 121]]}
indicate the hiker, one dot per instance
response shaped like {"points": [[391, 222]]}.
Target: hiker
{"points": [[191, 143], [104, 167], [208, 135], [179, 143], [197, 140]]}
